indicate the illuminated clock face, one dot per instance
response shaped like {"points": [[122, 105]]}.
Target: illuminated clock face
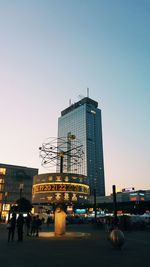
{"points": [[51, 188], [60, 187]]}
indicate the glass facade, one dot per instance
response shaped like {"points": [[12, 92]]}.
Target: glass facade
{"points": [[83, 119], [75, 124]]}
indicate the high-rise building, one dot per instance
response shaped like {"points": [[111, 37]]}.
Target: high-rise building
{"points": [[83, 120]]}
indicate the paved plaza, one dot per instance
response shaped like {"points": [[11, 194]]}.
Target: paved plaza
{"points": [[90, 250]]}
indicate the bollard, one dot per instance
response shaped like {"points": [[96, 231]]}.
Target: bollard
{"points": [[117, 238]]}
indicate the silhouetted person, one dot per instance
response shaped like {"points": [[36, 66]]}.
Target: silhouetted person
{"points": [[48, 221], [33, 226], [20, 222], [38, 223], [11, 229], [28, 224]]}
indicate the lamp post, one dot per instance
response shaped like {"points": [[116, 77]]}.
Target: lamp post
{"points": [[95, 210], [1, 194], [115, 205], [21, 189], [5, 208], [6, 195], [116, 235]]}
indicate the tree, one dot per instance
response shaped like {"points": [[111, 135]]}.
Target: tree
{"points": [[24, 205]]}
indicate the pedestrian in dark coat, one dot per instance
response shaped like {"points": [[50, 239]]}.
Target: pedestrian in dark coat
{"points": [[38, 224], [28, 224], [20, 222], [33, 226], [11, 227]]}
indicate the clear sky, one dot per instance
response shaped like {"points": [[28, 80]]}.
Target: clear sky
{"points": [[50, 52]]}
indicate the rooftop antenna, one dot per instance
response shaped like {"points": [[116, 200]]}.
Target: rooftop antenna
{"points": [[87, 92]]}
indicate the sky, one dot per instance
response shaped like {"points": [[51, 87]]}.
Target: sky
{"points": [[51, 51]]}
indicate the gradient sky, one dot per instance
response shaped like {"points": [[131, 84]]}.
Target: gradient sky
{"points": [[50, 52]]}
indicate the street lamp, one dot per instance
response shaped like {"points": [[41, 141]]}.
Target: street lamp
{"points": [[1, 195], [95, 204], [6, 195], [115, 205], [21, 189]]}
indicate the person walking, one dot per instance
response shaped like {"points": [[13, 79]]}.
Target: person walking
{"points": [[11, 227], [48, 221], [20, 222], [33, 226], [28, 224], [38, 225]]}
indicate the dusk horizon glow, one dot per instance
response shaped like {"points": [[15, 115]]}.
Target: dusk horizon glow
{"points": [[51, 52]]}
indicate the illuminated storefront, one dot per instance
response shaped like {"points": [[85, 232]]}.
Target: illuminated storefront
{"points": [[55, 187], [137, 196]]}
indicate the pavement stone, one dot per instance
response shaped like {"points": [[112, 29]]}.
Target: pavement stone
{"points": [[90, 251]]}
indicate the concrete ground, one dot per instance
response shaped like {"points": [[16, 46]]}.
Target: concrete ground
{"points": [[89, 251]]}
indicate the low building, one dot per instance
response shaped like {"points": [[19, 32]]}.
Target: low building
{"points": [[134, 201], [15, 182]]}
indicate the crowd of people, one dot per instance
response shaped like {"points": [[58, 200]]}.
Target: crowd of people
{"points": [[30, 224], [124, 223]]}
